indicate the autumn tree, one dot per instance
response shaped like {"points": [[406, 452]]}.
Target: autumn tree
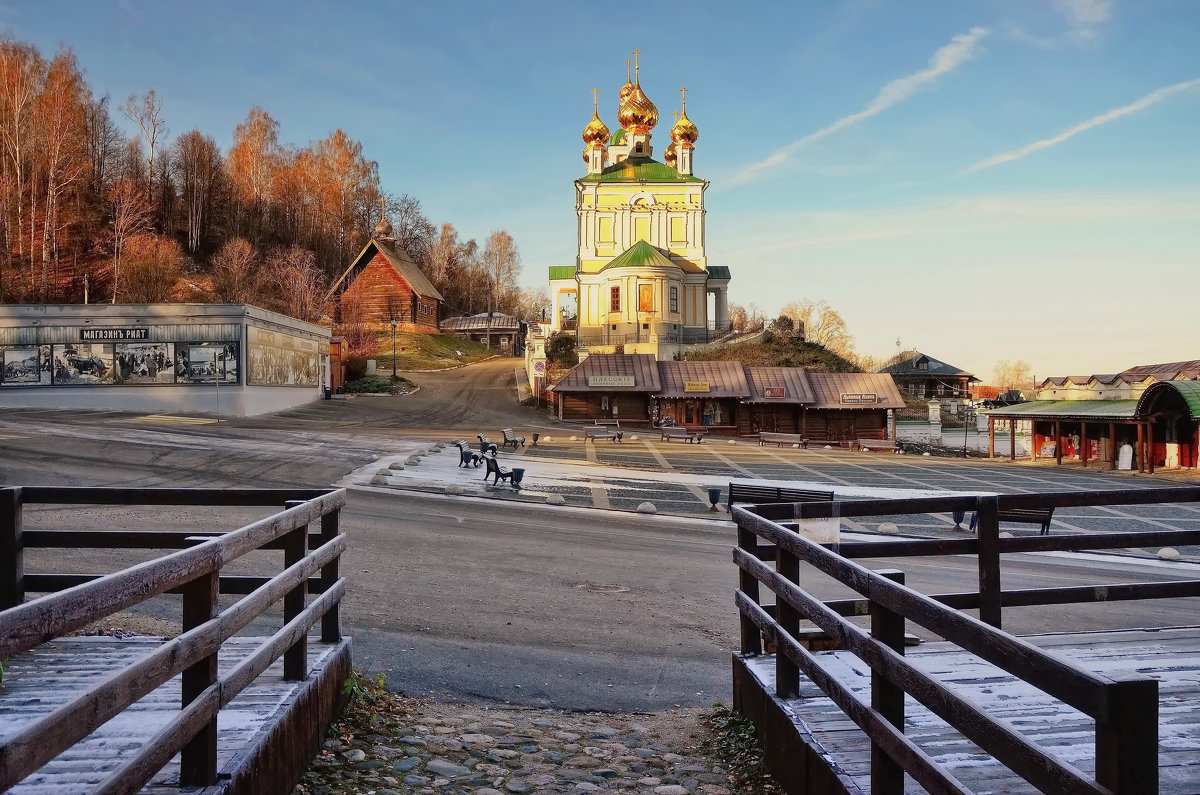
{"points": [[22, 71], [130, 210], [59, 112], [737, 317], [1012, 374], [298, 283], [198, 168], [235, 272], [821, 324], [253, 163], [152, 267], [147, 114], [443, 253]]}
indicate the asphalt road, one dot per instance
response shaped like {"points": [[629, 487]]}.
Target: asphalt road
{"points": [[528, 604]]}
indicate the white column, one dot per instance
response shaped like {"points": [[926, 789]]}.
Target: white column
{"points": [[722, 307]]}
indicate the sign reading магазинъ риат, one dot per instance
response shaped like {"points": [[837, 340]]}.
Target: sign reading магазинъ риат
{"points": [[113, 334]]}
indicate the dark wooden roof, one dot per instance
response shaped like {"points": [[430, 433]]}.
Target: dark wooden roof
{"points": [[480, 323], [725, 379], [915, 364], [641, 366], [791, 379], [828, 389], [397, 257]]}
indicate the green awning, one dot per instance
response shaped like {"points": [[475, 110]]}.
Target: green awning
{"points": [[1087, 410], [562, 272]]}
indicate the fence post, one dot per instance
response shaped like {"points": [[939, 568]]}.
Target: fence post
{"points": [[295, 547], [989, 561], [331, 627], [12, 563], [748, 585], [787, 675], [1127, 737], [887, 627], [198, 760]]}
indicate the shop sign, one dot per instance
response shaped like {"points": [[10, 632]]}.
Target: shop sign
{"points": [[859, 399], [776, 392], [695, 386], [610, 380], [113, 334]]}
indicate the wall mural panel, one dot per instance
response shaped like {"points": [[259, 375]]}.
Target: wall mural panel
{"points": [[141, 363], [87, 363], [144, 363], [206, 362], [278, 359], [25, 366]]}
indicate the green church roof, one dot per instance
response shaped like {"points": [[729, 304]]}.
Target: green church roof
{"points": [[562, 272], [634, 169], [641, 255], [718, 272], [618, 137]]}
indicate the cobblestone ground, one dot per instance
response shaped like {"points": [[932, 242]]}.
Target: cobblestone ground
{"points": [[426, 747]]}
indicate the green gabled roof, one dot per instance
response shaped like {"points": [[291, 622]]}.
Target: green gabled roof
{"points": [[640, 255], [633, 169], [618, 137], [562, 272], [718, 272], [1070, 409]]}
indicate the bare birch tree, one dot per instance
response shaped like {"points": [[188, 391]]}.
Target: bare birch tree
{"points": [[148, 117], [130, 211]]}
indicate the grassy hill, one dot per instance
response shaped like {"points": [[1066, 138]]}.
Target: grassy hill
{"points": [[429, 351], [778, 351]]}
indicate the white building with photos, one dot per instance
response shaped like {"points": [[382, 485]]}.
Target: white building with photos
{"points": [[232, 359]]}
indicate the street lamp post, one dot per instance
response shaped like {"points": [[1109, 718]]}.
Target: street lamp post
{"points": [[394, 324]]}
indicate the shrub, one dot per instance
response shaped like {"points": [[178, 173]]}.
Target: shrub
{"points": [[356, 367], [561, 348]]}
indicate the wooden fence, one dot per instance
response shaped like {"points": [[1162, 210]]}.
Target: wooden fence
{"points": [[73, 601], [1125, 710]]}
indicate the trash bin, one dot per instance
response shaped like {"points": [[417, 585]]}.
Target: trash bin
{"points": [[328, 393], [714, 497]]}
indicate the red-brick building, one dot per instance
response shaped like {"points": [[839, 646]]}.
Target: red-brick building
{"points": [[383, 283]]}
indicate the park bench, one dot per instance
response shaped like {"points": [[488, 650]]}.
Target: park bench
{"points": [[602, 432], [673, 432], [1037, 516], [485, 446], [513, 476], [466, 456], [781, 439], [757, 494], [512, 438], [869, 445]]}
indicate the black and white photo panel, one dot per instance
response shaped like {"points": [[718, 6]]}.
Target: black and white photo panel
{"points": [[83, 363], [144, 363], [25, 365], [206, 362]]}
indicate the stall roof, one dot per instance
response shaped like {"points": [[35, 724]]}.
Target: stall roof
{"points": [[791, 380], [1188, 390], [724, 379], [480, 323], [641, 366], [834, 390], [1069, 410]]}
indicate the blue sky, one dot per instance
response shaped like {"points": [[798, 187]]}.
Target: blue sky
{"points": [[982, 179]]}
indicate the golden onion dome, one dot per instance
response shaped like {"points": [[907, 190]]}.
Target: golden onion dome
{"points": [[671, 155], [596, 132], [585, 153], [684, 132], [638, 113]]}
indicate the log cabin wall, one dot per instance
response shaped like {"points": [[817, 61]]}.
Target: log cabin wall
{"points": [[381, 292]]}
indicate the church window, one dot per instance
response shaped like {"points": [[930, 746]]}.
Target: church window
{"points": [[615, 300], [674, 299], [677, 230], [645, 298]]}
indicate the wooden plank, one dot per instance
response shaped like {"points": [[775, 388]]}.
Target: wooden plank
{"points": [[12, 565], [103, 495]]}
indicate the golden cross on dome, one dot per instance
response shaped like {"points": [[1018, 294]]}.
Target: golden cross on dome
{"points": [[595, 100], [628, 76], [683, 95], [636, 65]]}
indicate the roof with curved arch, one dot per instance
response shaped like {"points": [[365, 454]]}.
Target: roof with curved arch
{"points": [[1188, 390]]}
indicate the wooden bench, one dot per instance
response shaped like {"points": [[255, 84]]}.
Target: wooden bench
{"points": [[466, 456], [485, 446], [754, 494], [781, 439], [673, 432], [868, 445], [512, 438], [602, 432], [1037, 516], [512, 476]]}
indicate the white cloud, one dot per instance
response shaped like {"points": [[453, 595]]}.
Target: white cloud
{"points": [[1104, 118], [960, 49], [1084, 17]]}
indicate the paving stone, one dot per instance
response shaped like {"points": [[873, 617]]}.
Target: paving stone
{"points": [[407, 764], [443, 767]]}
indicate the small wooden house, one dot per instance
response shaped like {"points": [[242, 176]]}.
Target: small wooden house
{"points": [[384, 284]]}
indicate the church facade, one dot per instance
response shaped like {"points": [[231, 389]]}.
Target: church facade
{"points": [[641, 282]]}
